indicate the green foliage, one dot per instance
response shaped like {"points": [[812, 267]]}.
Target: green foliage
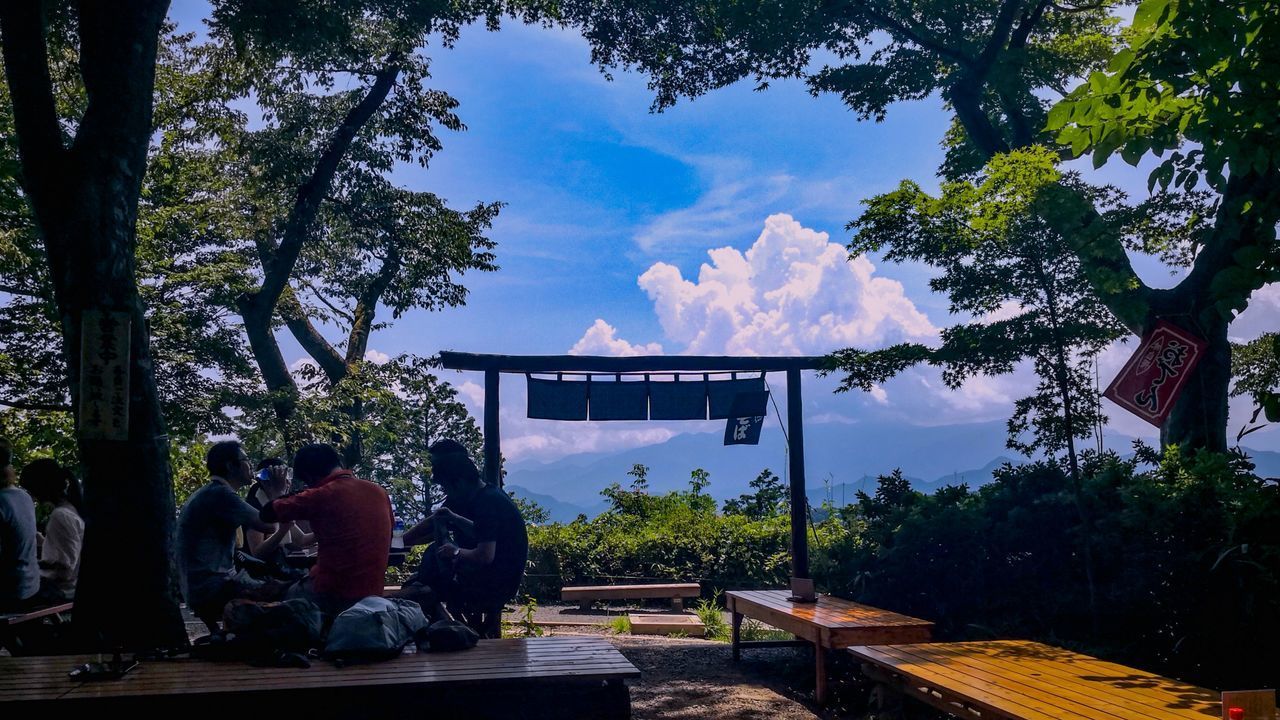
{"points": [[1256, 368], [753, 630], [621, 625], [525, 625], [1188, 578], [405, 409], [768, 500], [676, 536], [711, 615], [998, 256]]}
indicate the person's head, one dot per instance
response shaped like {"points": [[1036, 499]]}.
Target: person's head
{"points": [[315, 462], [47, 481], [269, 463], [7, 476], [228, 460], [451, 466]]}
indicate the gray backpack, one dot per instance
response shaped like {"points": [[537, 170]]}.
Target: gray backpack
{"points": [[376, 628]]}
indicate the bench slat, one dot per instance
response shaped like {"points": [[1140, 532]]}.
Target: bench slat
{"points": [[630, 592], [492, 661], [1021, 680]]}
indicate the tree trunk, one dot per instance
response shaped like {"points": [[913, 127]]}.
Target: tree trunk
{"points": [[85, 200], [1199, 417]]}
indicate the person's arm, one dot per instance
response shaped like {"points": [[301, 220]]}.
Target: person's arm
{"points": [[425, 531], [481, 554], [420, 534], [262, 544]]}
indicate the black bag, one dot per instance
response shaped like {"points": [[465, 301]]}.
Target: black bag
{"points": [[259, 631], [447, 636]]}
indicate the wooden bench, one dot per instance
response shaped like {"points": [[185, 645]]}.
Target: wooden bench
{"points": [[11, 630], [1021, 680], [552, 677], [587, 594], [827, 624]]}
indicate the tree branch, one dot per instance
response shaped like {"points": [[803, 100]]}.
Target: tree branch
{"points": [[35, 114], [999, 36], [915, 34], [310, 195], [345, 315], [24, 292], [40, 407], [320, 350], [367, 307]]}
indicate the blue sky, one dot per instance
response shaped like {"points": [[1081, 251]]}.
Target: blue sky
{"points": [[612, 211]]}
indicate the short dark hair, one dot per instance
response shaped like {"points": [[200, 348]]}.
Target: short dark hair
{"points": [[45, 479], [451, 463], [269, 462], [222, 455], [315, 461]]}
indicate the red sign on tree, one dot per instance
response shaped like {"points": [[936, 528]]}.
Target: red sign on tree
{"points": [[1150, 382]]}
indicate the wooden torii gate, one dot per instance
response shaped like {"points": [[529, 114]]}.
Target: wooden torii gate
{"points": [[493, 365]]}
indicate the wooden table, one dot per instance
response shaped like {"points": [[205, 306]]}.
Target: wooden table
{"points": [[826, 624], [1022, 680], [533, 677]]}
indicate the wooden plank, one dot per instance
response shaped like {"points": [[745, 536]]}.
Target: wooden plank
{"points": [[16, 618], [991, 699], [666, 624], [516, 660], [1080, 674], [630, 592], [451, 360], [1255, 703], [834, 621], [1083, 700], [1010, 678], [942, 698], [829, 611]]}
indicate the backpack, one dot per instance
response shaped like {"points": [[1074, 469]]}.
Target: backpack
{"points": [[264, 632], [376, 628]]}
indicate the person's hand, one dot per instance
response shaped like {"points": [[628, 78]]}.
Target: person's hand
{"points": [[444, 515], [447, 552], [277, 482]]}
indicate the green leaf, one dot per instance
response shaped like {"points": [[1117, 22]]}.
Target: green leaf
{"points": [[1149, 14], [1271, 406], [1058, 116]]}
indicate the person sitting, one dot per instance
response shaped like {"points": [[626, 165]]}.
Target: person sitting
{"points": [[49, 482], [479, 570], [273, 473], [207, 536], [19, 571], [352, 521]]}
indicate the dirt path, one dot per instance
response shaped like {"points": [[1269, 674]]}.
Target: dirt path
{"points": [[689, 678]]}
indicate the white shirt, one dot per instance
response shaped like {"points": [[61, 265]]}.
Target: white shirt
{"points": [[63, 537]]}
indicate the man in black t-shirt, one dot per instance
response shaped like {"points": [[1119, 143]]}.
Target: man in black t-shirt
{"points": [[480, 567]]}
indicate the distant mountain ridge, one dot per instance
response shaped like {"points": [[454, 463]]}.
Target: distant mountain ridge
{"points": [[840, 459]]}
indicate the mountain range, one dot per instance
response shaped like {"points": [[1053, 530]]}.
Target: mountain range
{"points": [[840, 459]]}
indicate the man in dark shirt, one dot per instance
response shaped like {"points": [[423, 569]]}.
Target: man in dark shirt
{"points": [[480, 567], [207, 535]]}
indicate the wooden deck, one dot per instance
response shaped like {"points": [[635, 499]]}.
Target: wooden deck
{"points": [[827, 624], [1022, 680], [534, 677]]}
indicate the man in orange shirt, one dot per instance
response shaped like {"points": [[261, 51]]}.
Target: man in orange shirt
{"points": [[352, 521]]}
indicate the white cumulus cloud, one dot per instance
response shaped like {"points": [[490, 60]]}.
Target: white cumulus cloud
{"points": [[602, 339], [792, 292]]}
